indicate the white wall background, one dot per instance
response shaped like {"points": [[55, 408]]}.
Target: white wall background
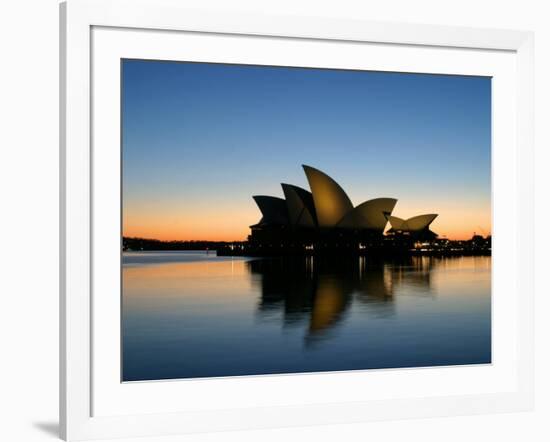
{"points": [[29, 218]]}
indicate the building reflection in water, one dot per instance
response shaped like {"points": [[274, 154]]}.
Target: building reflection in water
{"points": [[317, 293]]}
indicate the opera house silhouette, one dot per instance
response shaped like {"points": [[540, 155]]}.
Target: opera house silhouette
{"points": [[325, 219]]}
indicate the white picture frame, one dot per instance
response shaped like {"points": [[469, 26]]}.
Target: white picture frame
{"points": [[91, 405]]}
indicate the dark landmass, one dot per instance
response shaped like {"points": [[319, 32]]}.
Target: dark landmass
{"points": [[477, 245], [389, 248], [144, 244]]}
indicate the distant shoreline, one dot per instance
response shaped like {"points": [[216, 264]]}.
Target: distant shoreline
{"points": [[477, 246], [144, 245]]}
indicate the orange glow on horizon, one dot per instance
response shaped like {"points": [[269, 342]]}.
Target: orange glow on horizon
{"points": [[166, 230], [463, 234], [231, 221]]}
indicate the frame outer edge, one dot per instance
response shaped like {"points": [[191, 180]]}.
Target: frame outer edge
{"points": [[144, 14], [75, 232], [62, 221], [526, 215]]}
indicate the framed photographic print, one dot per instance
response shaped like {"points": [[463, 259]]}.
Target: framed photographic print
{"points": [[278, 221]]}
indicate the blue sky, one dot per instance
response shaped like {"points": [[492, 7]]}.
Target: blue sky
{"points": [[203, 138]]}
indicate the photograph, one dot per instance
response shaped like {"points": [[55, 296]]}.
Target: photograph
{"points": [[281, 219]]}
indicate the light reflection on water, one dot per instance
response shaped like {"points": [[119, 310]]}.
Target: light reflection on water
{"points": [[192, 314]]}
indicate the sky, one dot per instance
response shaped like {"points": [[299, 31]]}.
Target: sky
{"points": [[200, 139]]}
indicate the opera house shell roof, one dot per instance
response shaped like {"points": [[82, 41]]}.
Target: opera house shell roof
{"points": [[328, 207]]}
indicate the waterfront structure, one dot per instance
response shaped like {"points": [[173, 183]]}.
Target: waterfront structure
{"points": [[325, 218], [273, 210], [417, 226], [331, 202], [300, 206], [414, 224]]}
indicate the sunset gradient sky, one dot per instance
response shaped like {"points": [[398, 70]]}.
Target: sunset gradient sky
{"points": [[200, 139]]}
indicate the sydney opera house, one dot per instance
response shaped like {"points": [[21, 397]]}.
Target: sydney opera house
{"points": [[325, 218]]}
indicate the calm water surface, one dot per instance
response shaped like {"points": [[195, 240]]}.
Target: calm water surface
{"points": [[192, 314]]}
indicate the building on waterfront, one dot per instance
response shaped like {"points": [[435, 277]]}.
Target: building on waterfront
{"points": [[417, 227], [325, 218]]}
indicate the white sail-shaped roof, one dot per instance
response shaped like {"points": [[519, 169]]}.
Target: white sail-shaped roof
{"points": [[299, 202], [414, 224], [331, 202], [397, 223], [273, 209], [420, 222], [371, 214]]}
